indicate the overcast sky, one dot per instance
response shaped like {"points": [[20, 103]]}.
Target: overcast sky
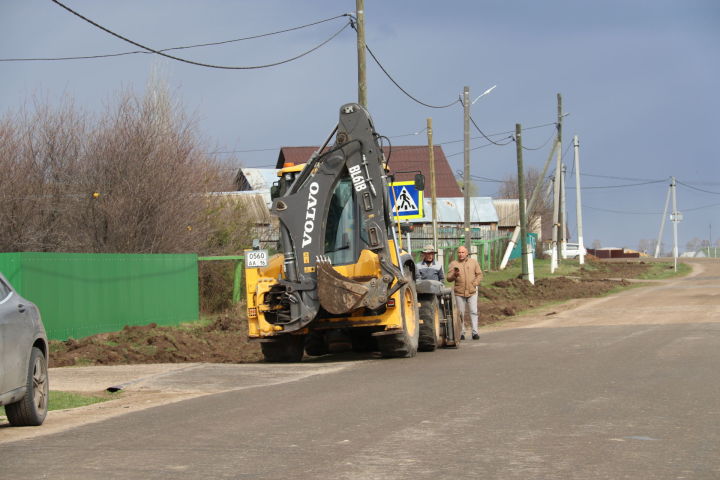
{"points": [[639, 79]]}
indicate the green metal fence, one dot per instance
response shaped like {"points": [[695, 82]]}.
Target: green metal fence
{"points": [[489, 252], [82, 294]]}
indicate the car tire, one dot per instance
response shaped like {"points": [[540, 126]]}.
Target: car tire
{"points": [[31, 410]]}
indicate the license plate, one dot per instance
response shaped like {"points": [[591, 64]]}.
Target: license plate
{"points": [[256, 258]]}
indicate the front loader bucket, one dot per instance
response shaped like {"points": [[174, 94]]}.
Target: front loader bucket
{"points": [[339, 294]]}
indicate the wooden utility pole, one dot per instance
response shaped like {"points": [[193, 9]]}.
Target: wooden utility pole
{"points": [[556, 197], [466, 177], [433, 193], [531, 204], [362, 83], [578, 201], [521, 200]]}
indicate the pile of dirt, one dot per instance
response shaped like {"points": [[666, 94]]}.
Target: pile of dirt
{"points": [[508, 298], [222, 341], [225, 339]]}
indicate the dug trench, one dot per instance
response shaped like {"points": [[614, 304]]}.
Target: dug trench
{"points": [[224, 340]]}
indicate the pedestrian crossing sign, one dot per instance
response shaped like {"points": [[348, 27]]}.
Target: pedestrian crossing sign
{"points": [[406, 201]]}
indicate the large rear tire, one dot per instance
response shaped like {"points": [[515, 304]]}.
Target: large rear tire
{"points": [[404, 344], [430, 326], [286, 349], [32, 408]]}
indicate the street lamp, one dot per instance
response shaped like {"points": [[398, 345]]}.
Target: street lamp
{"points": [[466, 181], [483, 94]]}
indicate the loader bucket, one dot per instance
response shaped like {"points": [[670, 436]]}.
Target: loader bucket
{"points": [[339, 294]]}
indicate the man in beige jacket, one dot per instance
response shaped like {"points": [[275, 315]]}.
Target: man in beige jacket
{"points": [[467, 275]]}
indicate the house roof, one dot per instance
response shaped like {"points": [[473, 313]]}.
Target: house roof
{"points": [[256, 178], [403, 158], [452, 210]]}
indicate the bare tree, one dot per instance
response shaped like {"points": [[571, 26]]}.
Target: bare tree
{"points": [[543, 205], [133, 180]]}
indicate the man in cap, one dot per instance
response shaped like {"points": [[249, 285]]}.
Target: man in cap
{"points": [[429, 268]]}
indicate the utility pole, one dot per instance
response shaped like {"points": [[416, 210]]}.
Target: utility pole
{"points": [[433, 193], [362, 83], [676, 217], [563, 212], [578, 200], [466, 177], [556, 197], [521, 200], [531, 204], [662, 222]]}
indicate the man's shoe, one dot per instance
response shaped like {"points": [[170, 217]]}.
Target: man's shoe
{"points": [[476, 336], [462, 337]]}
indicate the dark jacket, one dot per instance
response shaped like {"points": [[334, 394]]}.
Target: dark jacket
{"points": [[431, 271]]}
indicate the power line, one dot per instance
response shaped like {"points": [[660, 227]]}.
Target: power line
{"points": [[398, 85], [405, 147], [628, 212], [569, 187], [191, 62], [696, 188], [144, 52], [488, 138], [541, 146], [631, 179]]}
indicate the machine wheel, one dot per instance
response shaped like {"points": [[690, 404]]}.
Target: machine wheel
{"points": [[430, 315], [362, 341], [32, 408], [315, 344], [405, 343], [286, 349]]}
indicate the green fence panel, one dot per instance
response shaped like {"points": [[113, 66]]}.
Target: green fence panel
{"points": [[81, 294]]}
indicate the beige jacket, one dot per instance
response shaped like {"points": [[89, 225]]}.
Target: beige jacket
{"points": [[467, 279]]}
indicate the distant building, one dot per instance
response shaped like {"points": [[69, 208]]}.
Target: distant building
{"points": [[256, 180], [508, 212], [400, 158]]}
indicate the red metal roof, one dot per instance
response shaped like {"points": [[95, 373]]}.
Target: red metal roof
{"points": [[401, 158]]}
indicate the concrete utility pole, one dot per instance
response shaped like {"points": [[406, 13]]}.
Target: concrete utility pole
{"points": [[521, 200], [578, 201], [676, 217], [555, 255], [662, 222], [466, 177], [563, 212], [362, 83], [433, 193]]}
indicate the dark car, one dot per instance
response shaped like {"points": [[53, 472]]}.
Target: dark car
{"points": [[23, 359]]}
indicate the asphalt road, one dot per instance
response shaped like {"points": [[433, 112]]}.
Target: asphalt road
{"points": [[620, 387]]}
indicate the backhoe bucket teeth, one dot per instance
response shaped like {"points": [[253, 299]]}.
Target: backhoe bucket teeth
{"points": [[338, 294]]}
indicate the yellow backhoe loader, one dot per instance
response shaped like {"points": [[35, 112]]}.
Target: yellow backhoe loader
{"points": [[341, 281]]}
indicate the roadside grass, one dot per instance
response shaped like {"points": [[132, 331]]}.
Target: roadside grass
{"points": [[659, 271], [63, 400], [59, 400], [542, 270]]}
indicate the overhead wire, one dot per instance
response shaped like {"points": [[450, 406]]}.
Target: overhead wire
{"points": [[488, 138], [696, 188], [617, 186], [192, 62], [183, 47]]}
